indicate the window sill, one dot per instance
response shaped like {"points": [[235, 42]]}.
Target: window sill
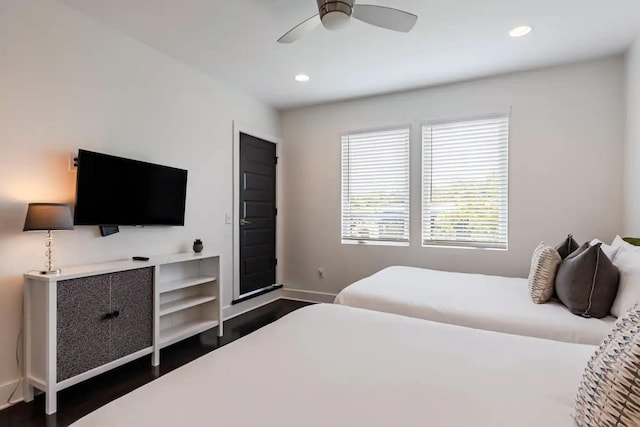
{"points": [[469, 247], [374, 243]]}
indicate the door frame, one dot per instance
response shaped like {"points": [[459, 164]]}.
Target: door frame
{"points": [[239, 128]]}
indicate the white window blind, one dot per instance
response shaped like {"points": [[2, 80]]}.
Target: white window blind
{"points": [[375, 186], [465, 183]]}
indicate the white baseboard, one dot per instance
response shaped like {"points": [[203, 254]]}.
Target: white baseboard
{"points": [[6, 390], [308, 296], [231, 311]]}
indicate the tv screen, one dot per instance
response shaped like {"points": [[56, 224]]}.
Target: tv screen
{"points": [[113, 190]]}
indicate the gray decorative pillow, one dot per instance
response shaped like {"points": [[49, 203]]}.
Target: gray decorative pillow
{"points": [[609, 393], [542, 275], [567, 246], [587, 282]]}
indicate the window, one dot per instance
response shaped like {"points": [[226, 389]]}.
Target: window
{"points": [[375, 187], [465, 183]]}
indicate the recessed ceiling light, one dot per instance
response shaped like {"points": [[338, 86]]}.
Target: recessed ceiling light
{"points": [[302, 78], [520, 31]]}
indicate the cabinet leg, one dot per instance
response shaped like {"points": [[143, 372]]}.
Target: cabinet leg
{"points": [[27, 391], [155, 358], [51, 402]]}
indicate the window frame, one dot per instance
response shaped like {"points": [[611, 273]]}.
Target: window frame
{"points": [[376, 242], [452, 244]]}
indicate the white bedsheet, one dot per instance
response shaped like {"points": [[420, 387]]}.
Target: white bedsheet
{"points": [[484, 302], [328, 365]]}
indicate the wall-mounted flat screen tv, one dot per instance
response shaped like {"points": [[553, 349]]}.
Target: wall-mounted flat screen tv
{"points": [[113, 190]]}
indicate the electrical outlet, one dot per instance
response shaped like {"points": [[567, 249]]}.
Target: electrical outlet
{"points": [[320, 273], [73, 162]]}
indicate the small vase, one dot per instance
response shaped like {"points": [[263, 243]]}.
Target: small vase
{"points": [[198, 246]]}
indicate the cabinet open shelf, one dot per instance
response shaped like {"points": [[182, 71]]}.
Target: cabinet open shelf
{"points": [[176, 333], [188, 282], [182, 304]]}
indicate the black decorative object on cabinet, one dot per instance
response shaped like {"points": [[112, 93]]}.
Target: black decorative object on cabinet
{"points": [[197, 246]]}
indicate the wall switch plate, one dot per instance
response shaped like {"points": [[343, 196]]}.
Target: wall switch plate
{"points": [[320, 273], [228, 219]]}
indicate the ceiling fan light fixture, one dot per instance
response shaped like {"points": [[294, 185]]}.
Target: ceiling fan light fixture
{"points": [[335, 20], [335, 14]]}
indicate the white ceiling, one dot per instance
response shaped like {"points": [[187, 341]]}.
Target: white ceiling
{"points": [[235, 40]]}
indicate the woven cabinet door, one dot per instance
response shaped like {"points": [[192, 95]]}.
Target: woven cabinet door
{"points": [[82, 332], [132, 299]]}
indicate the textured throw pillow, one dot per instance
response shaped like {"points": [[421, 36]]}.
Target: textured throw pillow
{"points": [[567, 246], [609, 394], [587, 282], [542, 275], [628, 262]]}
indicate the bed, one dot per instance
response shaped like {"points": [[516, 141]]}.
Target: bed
{"points": [[330, 365], [473, 300]]}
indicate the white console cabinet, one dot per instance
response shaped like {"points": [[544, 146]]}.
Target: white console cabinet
{"points": [[90, 319]]}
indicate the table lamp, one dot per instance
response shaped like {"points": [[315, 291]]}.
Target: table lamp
{"points": [[48, 217]]}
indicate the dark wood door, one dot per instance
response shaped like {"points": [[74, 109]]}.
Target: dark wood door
{"points": [[257, 214], [132, 300], [82, 331]]}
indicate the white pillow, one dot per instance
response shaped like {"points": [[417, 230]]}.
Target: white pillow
{"points": [[610, 251], [628, 262], [619, 243]]}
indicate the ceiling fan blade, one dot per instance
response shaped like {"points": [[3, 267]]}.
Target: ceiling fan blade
{"points": [[385, 17], [301, 29]]}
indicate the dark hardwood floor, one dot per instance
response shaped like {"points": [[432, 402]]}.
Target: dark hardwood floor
{"points": [[79, 400]]}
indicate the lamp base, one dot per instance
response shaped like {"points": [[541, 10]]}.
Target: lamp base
{"points": [[51, 272]]}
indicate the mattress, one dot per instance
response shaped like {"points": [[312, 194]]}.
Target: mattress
{"points": [[477, 301], [330, 365]]}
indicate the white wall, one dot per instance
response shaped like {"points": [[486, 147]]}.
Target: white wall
{"points": [[632, 146], [565, 170], [67, 82]]}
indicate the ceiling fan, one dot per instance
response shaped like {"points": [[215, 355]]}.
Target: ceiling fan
{"points": [[335, 14]]}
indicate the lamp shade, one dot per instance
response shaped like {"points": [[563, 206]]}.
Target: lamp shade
{"points": [[48, 216]]}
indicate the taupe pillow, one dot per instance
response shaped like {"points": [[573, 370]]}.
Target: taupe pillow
{"points": [[609, 395], [567, 246], [542, 275], [587, 282]]}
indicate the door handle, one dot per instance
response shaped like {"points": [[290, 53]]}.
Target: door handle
{"points": [[244, 222]]}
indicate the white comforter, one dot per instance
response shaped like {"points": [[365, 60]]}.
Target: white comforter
{"points": [[484, 302], [328, 365]]}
